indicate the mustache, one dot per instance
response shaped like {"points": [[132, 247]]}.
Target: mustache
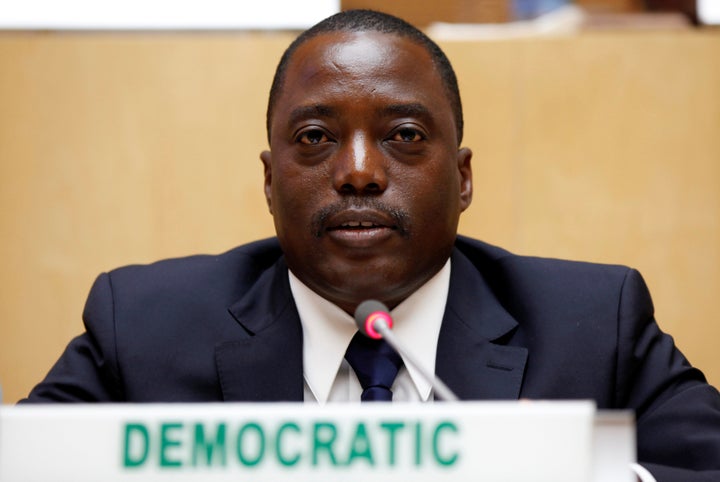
{"points": [[400, 216]]}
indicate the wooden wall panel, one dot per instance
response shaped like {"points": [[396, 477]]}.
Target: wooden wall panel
{"points": [[123, 148], [605, 148]]}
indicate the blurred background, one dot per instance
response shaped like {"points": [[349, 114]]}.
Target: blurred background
{"points": [[130, 132]]}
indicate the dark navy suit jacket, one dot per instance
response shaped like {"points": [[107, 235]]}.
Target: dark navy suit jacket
{"points": [[214, 328]]}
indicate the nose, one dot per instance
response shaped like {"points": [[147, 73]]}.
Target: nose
{"points": [[360, 168]]}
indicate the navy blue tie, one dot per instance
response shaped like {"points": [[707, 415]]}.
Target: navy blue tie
{"points": [[376, 365]]}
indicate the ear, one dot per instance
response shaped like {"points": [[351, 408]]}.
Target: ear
{"points": [[266, 158], [464, 155]]}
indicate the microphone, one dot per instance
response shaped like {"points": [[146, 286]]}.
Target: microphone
{"points": [[374, 321]]}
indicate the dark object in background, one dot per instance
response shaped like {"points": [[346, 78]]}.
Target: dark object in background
{"points": [[687, 7]]}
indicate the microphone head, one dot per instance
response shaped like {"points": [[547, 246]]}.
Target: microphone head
{"points": [[368, 313]]}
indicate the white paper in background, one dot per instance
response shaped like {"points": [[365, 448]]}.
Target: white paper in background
{"points": [[163, 14], [709, 11]]}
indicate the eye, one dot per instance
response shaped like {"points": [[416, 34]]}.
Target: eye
{"points": [[312, 137], [407, 134]]}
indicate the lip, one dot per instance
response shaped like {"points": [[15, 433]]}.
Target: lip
{"points": [[360, 228]]}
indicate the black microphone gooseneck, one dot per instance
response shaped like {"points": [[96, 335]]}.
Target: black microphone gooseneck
{"points": [[373, 319]]}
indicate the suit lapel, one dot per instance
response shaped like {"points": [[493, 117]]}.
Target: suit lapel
{"points": [[267, 364], [471, 358]]}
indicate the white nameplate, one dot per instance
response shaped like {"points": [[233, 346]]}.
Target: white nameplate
{"points": [[489, 441]]}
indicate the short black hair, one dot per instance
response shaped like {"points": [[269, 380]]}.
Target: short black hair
{"points": [[372, 21]]}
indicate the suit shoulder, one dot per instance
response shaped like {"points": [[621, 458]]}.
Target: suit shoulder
{"points": [[242, 264], [480, 251], [525, 271]]}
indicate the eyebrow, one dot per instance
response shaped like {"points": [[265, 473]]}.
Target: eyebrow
{"points": [[309, 111], [413, 109]]}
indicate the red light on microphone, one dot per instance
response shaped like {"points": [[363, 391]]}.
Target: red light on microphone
{"points": [[372, 318]]}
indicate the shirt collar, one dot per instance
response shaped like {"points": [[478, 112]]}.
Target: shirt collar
{"points": [[327, 331]]}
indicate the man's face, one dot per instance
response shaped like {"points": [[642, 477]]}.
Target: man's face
{"points": [[364, 178]]}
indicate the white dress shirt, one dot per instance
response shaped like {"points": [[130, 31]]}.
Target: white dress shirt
{"points": [[327, 331]]}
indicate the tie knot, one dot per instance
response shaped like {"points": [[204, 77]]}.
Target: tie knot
{"points": [[376, 365]]}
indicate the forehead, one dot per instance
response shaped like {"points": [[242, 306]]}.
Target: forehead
{"points": [[360, 65], [360, 50]]}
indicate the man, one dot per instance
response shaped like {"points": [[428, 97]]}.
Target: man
{"points": [[366, 180]]}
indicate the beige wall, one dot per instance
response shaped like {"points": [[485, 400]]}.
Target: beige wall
{"points": [[119, 148]]}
